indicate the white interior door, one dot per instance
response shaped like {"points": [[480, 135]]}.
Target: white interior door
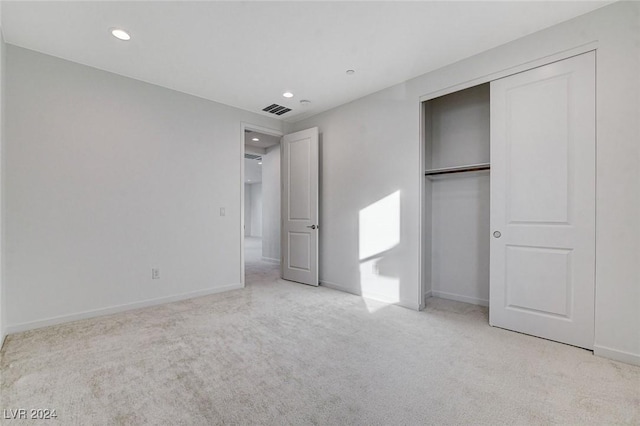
{"points": [[300, 206], [543, 201]]}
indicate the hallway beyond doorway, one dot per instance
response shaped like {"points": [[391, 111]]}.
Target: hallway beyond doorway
{"points": [[256, 269]]}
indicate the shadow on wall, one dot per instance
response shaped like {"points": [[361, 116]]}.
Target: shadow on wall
{"points": [[379, 236]]}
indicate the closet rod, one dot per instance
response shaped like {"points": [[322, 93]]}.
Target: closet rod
{"points": [[459, 169]]}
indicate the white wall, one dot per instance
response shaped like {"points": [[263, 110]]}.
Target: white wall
{"points": [[459, 124], [457, 135], [369, 168], [247, 209], [256, 209], [370, 148], [2, 182], [271, 204], [460, 238], [107, 177]]}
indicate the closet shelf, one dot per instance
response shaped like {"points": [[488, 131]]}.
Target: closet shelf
{"points": [[458, 169]]}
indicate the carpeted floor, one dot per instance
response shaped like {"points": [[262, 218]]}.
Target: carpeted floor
{"points": [[282, 353]]}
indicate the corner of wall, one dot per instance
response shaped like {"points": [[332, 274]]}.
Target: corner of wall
{"points": [[2, 109], [288, 127]]}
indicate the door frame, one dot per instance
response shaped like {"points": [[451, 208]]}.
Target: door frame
{"points": [[423, 293], [267, 131]]}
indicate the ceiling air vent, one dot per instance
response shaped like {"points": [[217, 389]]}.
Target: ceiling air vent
{"points": [[276, 109], [253, 157]]}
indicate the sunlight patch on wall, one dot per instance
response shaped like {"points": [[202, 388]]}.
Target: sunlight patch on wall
{"points": [[379, 233], [380, 226], [376, 286]]}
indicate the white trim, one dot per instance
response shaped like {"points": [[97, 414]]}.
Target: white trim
{"points": [[255, 128], [270, 260], [616, 355], [17, 328], [460, 298], [339, 287], [421, 208], [409, 304], [281, 190], [260, 129], [535, 63], [242, 128]]}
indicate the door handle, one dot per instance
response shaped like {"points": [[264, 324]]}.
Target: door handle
{"points": [[312, 226], [497, 234]]}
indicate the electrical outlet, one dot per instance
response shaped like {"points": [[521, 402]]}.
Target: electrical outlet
{"points": [[222, 211], [155, 273]]}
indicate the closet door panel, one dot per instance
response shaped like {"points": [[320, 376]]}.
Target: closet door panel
{"points": [[537, 157], [543, 201]]}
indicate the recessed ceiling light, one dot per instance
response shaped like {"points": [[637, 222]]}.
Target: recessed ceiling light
{"points": [[260, 162], [287, 95], [120, 34], [255, 139], [351, 72]]}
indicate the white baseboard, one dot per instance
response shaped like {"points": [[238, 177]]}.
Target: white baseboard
{"points": [[271, 260], [340, 287], [409, 305], [17, 328], [459, 298], [379, 298], [616, 355]]}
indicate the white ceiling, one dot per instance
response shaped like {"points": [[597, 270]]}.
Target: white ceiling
{"points": [[246, 54]]}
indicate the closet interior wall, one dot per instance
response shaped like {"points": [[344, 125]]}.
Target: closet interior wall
{"points": [[456, 236]]}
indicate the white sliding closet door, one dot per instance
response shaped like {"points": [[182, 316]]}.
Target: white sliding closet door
{"points": [[543, 201]]}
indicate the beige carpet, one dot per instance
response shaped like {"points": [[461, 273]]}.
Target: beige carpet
{"points": [[281, 353]]}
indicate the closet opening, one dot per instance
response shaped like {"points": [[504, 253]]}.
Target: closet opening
{"points": [[456, 245]]}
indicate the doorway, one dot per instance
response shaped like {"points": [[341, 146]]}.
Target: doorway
{"points": [[260, 202]]}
